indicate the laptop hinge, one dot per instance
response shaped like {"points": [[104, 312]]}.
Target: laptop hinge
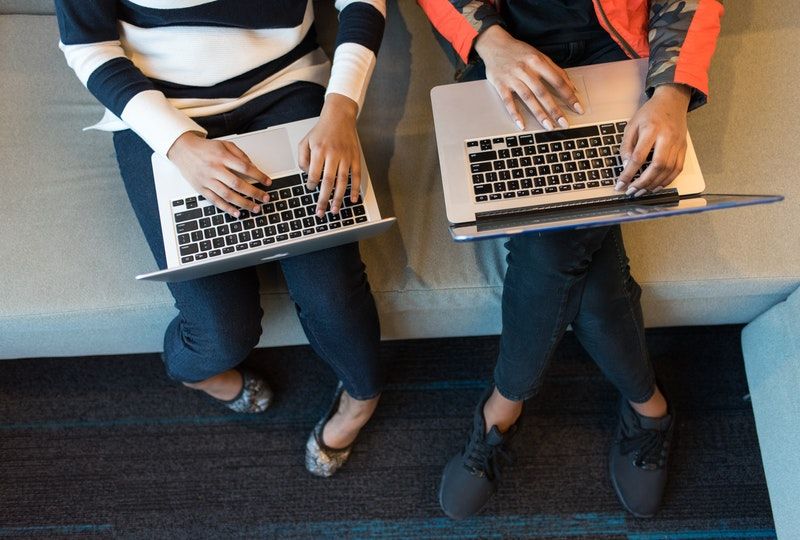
{"points": [[665, 196]]}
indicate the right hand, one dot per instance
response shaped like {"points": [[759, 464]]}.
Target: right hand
{"points": [[516, 68], [218, 170]]}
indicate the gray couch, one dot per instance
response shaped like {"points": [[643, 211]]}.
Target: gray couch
{"points": [[71, 246]]}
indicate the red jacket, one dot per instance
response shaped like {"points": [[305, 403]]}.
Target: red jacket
{"points": [[679, 36]]}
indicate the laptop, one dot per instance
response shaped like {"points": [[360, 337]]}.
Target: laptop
{"points": [[201, 240], [500, 181]]}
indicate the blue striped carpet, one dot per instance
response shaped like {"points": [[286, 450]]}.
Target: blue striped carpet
{"points": [[108, 447]]}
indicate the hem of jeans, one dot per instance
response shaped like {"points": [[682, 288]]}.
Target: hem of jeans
{"points": [[367, 398], [650, 393], [511, 396]]}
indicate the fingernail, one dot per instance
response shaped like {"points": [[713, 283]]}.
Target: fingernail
{"points": [[620, 186], [578, 108], [625, 162], [548, 125], [659, 188], [236, 214], [256, 209], [265, 198], [519, 123], [563, 122], [640, 193], [334, 209], [631, 191]]}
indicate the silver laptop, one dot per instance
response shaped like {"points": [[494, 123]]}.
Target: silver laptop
{"points": [[500, 181], [201, 240]]}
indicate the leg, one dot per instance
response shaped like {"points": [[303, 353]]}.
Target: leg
{"points": [[338, 314], [542, 292], [219, 319]]}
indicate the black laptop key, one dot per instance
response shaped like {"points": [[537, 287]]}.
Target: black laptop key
{"points": [[498, 140], [551, 189], [299, 213], [607, 182], [504, 175], [191, 202], [200, 256], [537, 191], [296, 225], [526, 139], [189, 249], [321, 228], [472, 143], [334, 225], [294, 203], [295, 234], [579, 186], [594, 175], [477, 178], [607, 129], [593, 184], [183, 239], [309, 221], [482, 156], [558, 168], [481, 167], [565, 187], [509, 195], [244, 236], [566, 178], [621, 126], [306, 200], [526, 183], [592, 152], [254, 243], [481, 198], [283, 228], [189, 214], [511, 141], [281, 206], [486, 144], [361, 219], [228, 249], [348, 222], [543, 170], [512, 163], [499, 165], [249, 224], [218, 242], [214, 253], [530, 150], [512, 185], [516, 151], [564, 134], [196, 236], [539, 181], [359, 210], [231, 240], [257, 234], [553, 180], [218, 219], [582, 143], [499, 187], [205, 245], [236, 226], [595, 141], [187, 259], [177, 202], [347, 212], [240, 247], [495, 196], [209, 210], [287, 215], [209, 233], [523, 193]]}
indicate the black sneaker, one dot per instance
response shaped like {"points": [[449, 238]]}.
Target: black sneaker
{"points": [[471, 477], [638, 461]]}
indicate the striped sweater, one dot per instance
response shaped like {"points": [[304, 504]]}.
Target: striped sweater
{"points": [[156, 64]]}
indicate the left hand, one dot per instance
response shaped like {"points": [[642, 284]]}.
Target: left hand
{"points": [[330, 152], [659, 125]]}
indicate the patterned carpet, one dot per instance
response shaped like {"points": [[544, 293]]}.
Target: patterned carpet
{"points": [[108, 447]]}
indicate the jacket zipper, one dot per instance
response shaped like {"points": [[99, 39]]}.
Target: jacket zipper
{"points": [[628, 49]]}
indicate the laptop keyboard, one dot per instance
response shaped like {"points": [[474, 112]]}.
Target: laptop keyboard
{"points": [[530, 164], [204, 231]]}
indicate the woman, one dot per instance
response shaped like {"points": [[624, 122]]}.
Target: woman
{"points": [[579, 277], [175, 74]]}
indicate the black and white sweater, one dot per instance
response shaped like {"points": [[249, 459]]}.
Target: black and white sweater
{"points": [[155, 64]]}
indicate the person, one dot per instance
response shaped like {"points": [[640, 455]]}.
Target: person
{"points": [[175, 74], [578, 277]]}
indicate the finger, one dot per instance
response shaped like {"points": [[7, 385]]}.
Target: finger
{"points": [[545, 98], [532, 102], [219, 202], [304, 154], [342, 179], [511, 106], [326, 187], [245, 166], [660, 166], [236, 188], [680, 163], [629, 139], [636, 159], [239, 168], [355, 179], [563, 85], [316, 161]]}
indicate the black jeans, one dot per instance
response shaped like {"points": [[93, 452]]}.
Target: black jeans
{"points": [[579, 277], [219, 319]]}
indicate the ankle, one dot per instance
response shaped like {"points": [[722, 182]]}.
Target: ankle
{"points": [[225, 385], [655, 407], [500, 412]]}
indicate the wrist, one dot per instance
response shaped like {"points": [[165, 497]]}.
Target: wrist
{"points": [[340, 106], [490, 39], [676, 92], [183, 141]]}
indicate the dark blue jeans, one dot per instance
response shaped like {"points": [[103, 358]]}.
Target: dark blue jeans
{"points": [[578, 277], [219, 319]]}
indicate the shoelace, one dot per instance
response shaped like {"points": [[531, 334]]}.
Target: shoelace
{"points": [[649, 446], [485, 459]]}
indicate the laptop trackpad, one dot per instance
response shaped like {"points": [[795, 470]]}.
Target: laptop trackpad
{"points": [[270, 151]]}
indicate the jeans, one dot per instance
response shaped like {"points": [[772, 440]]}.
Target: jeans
{"points": [[579, 277], [219, 319]]}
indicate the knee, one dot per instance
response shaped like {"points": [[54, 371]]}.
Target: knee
{"points": [[565, 252]]}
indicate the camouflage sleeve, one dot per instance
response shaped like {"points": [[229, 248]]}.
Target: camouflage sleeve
{"points": [[460, 22], [682, 36], [480, 14]]}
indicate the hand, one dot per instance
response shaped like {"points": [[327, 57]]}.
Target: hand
{"points": [[514, 67], [218, 170], [330, 152], [659, 125]]}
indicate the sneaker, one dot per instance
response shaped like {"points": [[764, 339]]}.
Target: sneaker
{"points": [[638, 460], [471, 477]]}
